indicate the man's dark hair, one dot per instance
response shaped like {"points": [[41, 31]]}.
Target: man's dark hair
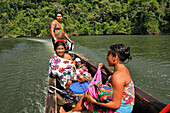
{"points": [[58, 12]]}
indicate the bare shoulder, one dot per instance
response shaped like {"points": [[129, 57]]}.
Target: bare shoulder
{"points": [[121, 76], [53, 22], [117, 77]]}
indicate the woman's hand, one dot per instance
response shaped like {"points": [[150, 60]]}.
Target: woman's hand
{"points": [[89, 97], [101, 65]]}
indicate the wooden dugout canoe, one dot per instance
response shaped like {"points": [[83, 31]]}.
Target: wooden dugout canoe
{"points": [[144, 102]]}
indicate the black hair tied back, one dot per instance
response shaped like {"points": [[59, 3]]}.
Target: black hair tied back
{"points": [[122, 52], [127, 53]]}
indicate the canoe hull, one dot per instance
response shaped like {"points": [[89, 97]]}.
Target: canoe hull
{"points": [[144, 103]]}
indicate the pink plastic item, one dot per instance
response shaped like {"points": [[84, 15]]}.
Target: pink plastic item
{"points": [[91, 87]]}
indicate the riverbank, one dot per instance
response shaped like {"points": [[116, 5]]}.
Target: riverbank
{"points": [[80, 35]]}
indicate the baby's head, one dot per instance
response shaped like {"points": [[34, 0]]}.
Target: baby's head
{"points": [[77, 61]]}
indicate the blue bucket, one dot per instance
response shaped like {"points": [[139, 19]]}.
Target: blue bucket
{"points": [[79, 88]]}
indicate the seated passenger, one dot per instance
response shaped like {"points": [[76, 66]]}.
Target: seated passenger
{"points": [[120, 82], [62, 66]]}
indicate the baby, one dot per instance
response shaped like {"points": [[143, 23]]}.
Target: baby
{"points": [[83, 74]]}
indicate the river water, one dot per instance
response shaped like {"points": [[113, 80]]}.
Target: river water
{"points": [[24, 67]]}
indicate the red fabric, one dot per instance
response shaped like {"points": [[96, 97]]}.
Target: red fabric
{"points": [[166, 109], [62, 40]]}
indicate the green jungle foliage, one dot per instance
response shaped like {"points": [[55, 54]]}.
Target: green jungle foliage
{"points": [[33, 17]]}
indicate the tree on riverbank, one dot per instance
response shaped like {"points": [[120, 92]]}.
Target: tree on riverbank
{"points": [[33, 17]]}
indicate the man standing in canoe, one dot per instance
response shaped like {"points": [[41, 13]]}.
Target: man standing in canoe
{"points": [[57, 29]]}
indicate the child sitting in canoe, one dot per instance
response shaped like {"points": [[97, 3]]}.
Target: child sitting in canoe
{"points": [[83, 73]]}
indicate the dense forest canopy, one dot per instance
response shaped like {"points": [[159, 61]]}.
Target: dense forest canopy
{"points": [[33, 17]]}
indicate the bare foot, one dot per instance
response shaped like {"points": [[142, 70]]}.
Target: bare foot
{"points": [[62, 110]]}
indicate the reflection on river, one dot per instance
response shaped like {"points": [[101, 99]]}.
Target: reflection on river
{"points": [[24, 67]]}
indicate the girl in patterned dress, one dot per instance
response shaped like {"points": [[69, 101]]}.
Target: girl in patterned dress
{"points": [[122, 93]]}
